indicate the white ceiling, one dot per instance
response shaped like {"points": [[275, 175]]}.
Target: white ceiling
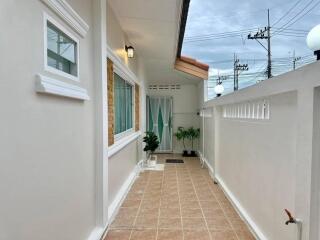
{"points": [[152, 27]]}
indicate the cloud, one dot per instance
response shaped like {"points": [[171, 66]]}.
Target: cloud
{"points": [[214, 17]]}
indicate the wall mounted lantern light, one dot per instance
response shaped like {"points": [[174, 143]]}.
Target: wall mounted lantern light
{"points": [[130, 51], [313, 40]]}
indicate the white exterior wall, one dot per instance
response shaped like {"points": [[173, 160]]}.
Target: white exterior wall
{"points": [[49, 177], [266, 166], [256, 160], [47, 173], [121, 166], [185, 108]]}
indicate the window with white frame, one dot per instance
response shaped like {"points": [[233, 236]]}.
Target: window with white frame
{"points": [[123, 105], [62, 50]]}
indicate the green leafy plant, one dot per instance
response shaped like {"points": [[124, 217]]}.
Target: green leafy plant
{"points": [[152, 142], [182, 135], [193, 134]]}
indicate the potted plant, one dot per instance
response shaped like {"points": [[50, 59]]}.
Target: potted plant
{"points": [[152, 143], [182, 135], [193, 134]]}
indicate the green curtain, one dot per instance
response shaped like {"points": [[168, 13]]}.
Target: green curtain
{"points": [[160, 120], [123, 94]]}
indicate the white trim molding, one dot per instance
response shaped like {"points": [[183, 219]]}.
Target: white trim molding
{"points": [[120, 68], [67, 14], [55, 87], [206, 162], [241, 211], [97, 233], [122, 143]]}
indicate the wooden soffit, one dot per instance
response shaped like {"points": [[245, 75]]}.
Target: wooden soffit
{"points": [[192, 67]]}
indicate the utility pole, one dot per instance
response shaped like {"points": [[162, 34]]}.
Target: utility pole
{"points": [[265, 34], [295, 60], [235, 81], [220, 79], [269, 47], [237, 68]]}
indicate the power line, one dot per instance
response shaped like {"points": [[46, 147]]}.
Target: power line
{"points": [[208, 37], [286, 14], [221, 33], [297, 17]]}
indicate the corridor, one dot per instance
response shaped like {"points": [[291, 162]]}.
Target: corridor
{"points": [[179, 203]]}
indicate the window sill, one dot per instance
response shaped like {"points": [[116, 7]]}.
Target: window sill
{"points": [[52, 86], [122, 143]]}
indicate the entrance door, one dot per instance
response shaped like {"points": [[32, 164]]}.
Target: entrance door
{"points": [[160, 120]]}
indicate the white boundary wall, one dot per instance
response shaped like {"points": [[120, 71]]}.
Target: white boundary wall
{"points": [[266, 164]]}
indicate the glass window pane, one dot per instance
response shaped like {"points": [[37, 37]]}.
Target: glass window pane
{"points": [[52, 37], [61, 50], [67, 49], [128, 106], [123, 105], [117, 97]]}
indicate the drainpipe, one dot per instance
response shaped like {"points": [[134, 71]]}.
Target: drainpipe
{"points": [[294, 221]]}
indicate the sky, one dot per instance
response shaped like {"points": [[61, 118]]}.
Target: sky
{"points": [[216, 30]]}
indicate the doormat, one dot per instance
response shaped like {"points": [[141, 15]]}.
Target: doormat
{"points": [[174, 161]]}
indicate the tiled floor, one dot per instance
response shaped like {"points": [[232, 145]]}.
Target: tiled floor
{"points": [[179, 203]]}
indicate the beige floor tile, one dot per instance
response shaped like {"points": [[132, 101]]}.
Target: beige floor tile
{"points": [[182, 200], [131, 203], [238, 224], [244, 235], [191, 197], [149, 212], [146, 222], [223, 235], [118, 235], [189, 204], [127, 212], [219, 224], [144, 234], [170, 213], [211, 204], [194, 223], [135, 195], [169, 203], [155, 203], [170, 223], [191, 213], [213, 212], [122, 222], [196, 235], [166, 234]]}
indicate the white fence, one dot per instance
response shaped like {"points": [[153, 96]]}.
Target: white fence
{"points": [[262, 144]]}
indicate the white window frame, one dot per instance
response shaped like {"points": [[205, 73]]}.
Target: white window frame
{"points": [[130, 131], [48, 68]]}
